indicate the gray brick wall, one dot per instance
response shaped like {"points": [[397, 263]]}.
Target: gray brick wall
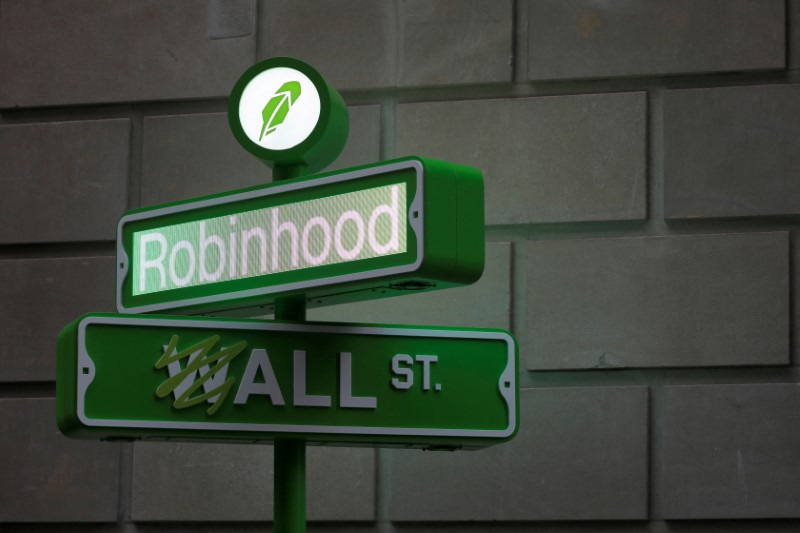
{"points": [[581, 454], [642, 168], [221, 482], [579, 39], [78, 169], [679, 301], [74, 52], [730, 451], [553, 159], [726, 155]]}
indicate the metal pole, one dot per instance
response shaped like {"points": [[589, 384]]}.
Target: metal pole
{"points": [[290, 486], [290, 455]]}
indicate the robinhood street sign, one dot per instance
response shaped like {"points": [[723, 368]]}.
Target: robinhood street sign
{"points": [[363, 233], [122, 376]]}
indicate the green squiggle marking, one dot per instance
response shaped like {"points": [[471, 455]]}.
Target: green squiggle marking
{"points": [[223, 357]]}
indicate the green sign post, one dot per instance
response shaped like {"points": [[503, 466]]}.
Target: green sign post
{"points": [[157, 377], [380, 230]]}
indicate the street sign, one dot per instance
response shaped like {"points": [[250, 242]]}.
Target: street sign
{"points": [[368, 232], [362, 233], [283, 112], [158, 377]]}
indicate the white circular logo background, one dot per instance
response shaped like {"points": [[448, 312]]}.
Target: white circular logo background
{"points": [[300, 120]]}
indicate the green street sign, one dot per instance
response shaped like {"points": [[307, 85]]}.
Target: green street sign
{"points": [[363, 233], [283, 112], [159, 377]]}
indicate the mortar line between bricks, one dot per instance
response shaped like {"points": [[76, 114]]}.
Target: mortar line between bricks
{"points": [[787, 34], [519, 42], [395, 52], [655, 444], [650, 376], [792, 293], [383, 490], [57, 250], [514, 313], [655, 160], [125, 502], [518, 312], [256, 31], [523, 88], [14, 390], [135, 161], [394, 38], [388, 129]]}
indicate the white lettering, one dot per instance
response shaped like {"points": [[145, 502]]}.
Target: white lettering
{"points": [[157, 263], [426, 361], [397, 370], [393, 244], [402, 368], [346, 398], [259, 360], [300, 396], [321, 231]]}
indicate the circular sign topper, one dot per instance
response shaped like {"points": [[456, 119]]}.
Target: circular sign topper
{"points": [[283, 112]]}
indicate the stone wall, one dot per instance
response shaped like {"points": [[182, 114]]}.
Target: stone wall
{"points": [[642, 168]]}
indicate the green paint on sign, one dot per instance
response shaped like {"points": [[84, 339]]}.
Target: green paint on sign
{"points": [[197, 360], [278, 107]]}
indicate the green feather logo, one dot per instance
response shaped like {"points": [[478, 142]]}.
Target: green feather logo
{"points": [[278, 107]]}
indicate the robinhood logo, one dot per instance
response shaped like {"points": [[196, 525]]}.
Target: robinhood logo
{"points": [[272, 111], [278, 107], [183, 382]]}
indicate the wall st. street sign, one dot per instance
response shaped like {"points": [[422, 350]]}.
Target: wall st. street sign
{"points": [[155, 377], [362, 233]]}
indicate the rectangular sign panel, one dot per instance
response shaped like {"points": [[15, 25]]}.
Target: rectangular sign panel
{"points": [[365, 233], [157, 377]]}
